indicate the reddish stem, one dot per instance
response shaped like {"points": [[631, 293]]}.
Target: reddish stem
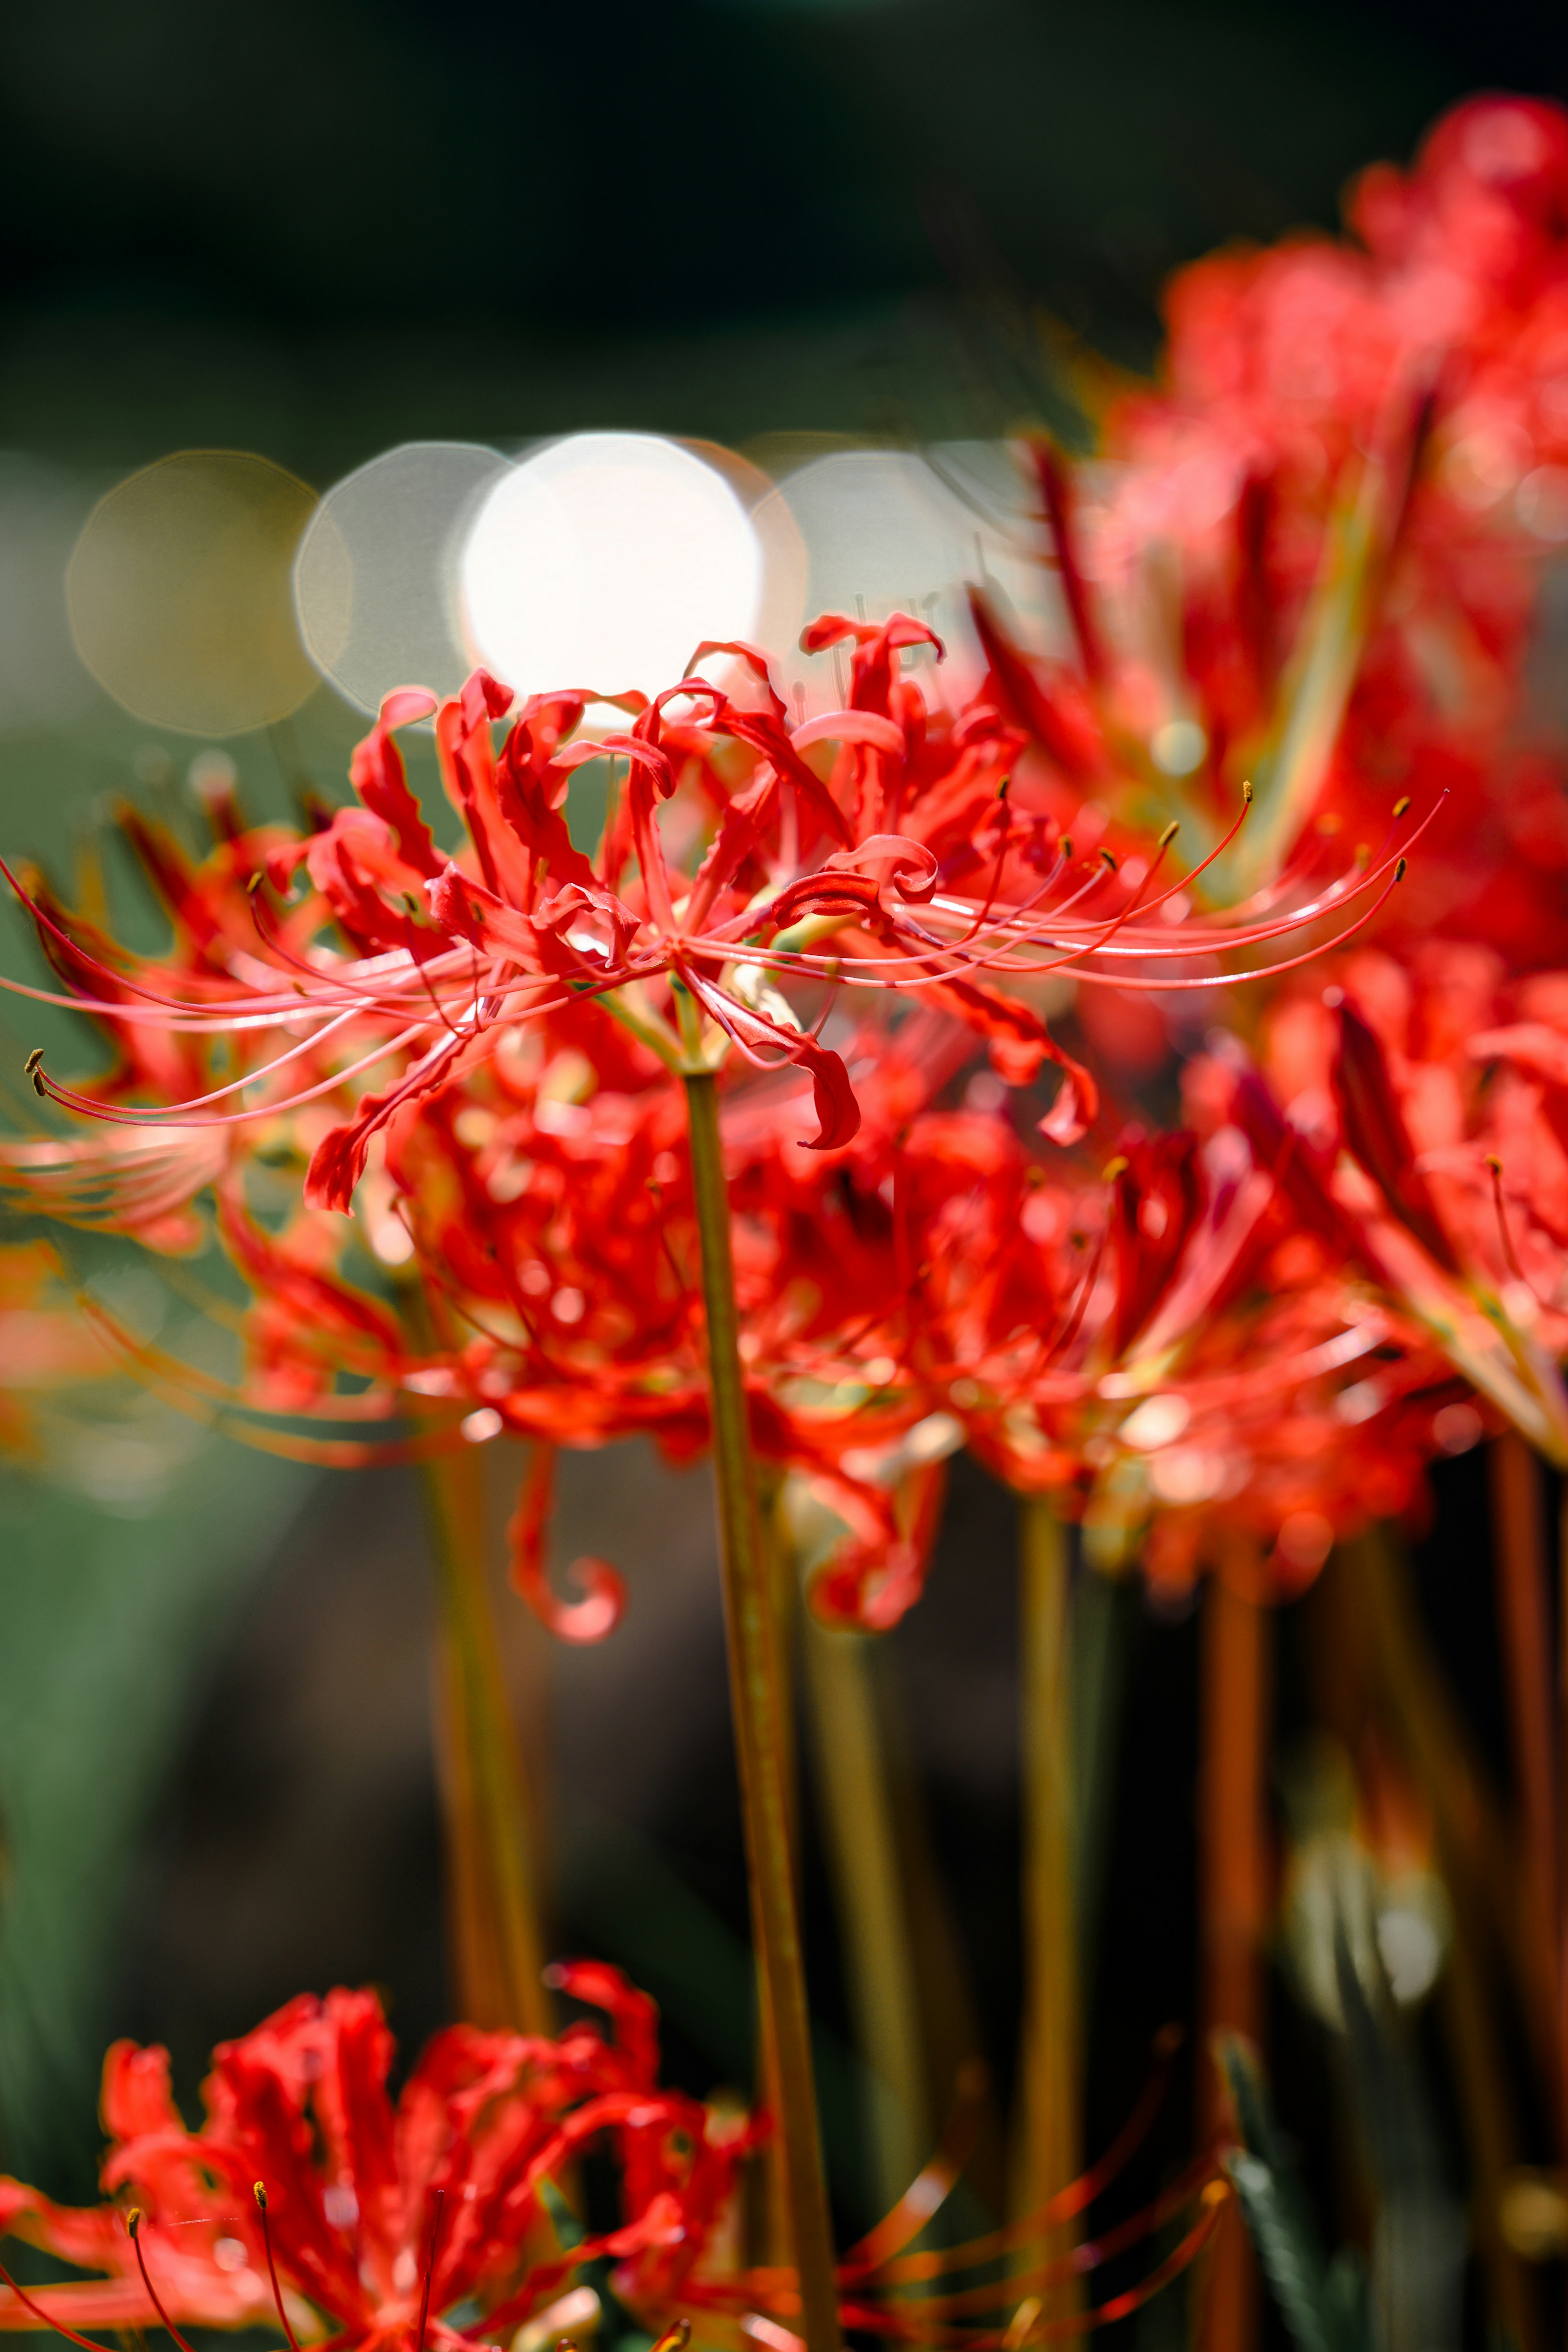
{"points": [[134, 2223], [89, 2343], [260, 2194], [429, 2272]]}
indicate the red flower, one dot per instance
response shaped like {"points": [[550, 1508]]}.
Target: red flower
{"points": [[355, 2187]]}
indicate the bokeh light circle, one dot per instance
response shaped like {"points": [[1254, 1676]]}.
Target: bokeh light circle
{"points": [[180, 596], [603, 560], [376, 581], [888, 530]]}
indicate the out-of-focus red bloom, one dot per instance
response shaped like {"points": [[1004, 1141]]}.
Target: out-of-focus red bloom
{"points": [[1413, 1125], [484, 2122], [1160, 1345], [379, 2218], [1312, 555]]}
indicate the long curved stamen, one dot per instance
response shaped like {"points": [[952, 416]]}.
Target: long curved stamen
{"points": [[172, 1115], [260, 2194], [133, 2225], [1074, 2198], [1505, 1235]]}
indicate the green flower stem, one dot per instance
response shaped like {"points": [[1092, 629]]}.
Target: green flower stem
{"points": [[760, 1739], [860, 1822], [1050, 2141], [493, 1876]]}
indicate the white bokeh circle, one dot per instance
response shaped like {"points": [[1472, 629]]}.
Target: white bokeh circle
{"points": [[376, 584], [602, 560]]}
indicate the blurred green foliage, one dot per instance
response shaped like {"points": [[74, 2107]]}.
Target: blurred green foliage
{"points": [[110, 1625]]}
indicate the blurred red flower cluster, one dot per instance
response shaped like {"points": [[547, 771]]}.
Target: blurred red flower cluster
{"points": [[373, 2210]]}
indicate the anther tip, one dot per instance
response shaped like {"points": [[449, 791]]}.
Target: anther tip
{"points": [[34, 1058], [259, 2192], [1117, 1167], [255, 883], [1401, 805], [134, 2219], [1247, 791], [1067, 847], [1170, 833], [1399, 871], [1494, 1163], [1110, 861]]}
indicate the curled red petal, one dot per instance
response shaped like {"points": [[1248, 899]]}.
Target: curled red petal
{"points": [[604, 1605], [377, 772], [833, 1098], [838, 1112], [909, 866], [1077, 1103]]}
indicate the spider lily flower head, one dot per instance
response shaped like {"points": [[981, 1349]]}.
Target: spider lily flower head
{"points": [[426, 2224], [907, 861], [1373, 1106], [1160, 1346], [1313, 555], [369, 2211]]}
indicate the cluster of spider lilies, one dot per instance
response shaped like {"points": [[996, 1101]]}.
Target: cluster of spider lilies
{"points": [[1148, 1070]]}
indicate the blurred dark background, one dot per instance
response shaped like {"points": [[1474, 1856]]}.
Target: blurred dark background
{"points": [[325, 224], [316, 229]]}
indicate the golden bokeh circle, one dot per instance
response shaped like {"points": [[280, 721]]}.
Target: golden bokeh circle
{"points": [[179, 590]]}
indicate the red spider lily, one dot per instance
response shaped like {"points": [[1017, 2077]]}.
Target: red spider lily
{"points": [[1159, 1343], [1372, 1105], [363, 2224], [1314, 554], [372, 2210], [803, 877]]}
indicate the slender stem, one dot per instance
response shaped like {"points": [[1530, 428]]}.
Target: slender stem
{"points": [[1520, 1574], [862, 1837], [498, 1951], [761, 1737], [1051, 2150], [1235, 1712], [1562, 1984], [773, 2234]]}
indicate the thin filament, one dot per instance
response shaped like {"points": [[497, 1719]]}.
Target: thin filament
{"points": [[89, 2343], [134, 2223], [272, 2267]]}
